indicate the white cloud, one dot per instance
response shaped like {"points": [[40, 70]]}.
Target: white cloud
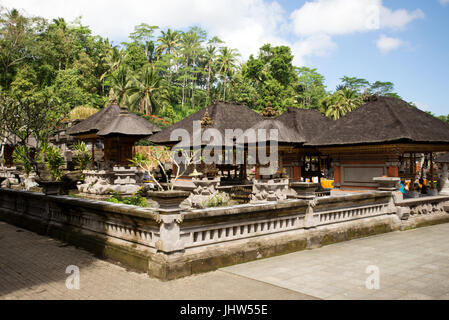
{"points": [[444, 2], [387, 44], [245, 25], [316, 45], [242, 24], [336, 17], [317, 21]]}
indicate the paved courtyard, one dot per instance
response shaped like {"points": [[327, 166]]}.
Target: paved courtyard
{"points": [[33, 267], [412, 265]]}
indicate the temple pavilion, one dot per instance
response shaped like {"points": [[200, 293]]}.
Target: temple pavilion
{"points": [[118, 129], [295, 128], [383, 137], [221, 116]]}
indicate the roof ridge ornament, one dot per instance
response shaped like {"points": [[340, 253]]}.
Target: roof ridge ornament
{"points": [[368, 97], [206, 121], [269, 111]]}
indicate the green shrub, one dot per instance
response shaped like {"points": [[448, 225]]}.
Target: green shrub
{"points": [[219, 200], [81, 157], [20, 158], [54, 162], [135, 200]]}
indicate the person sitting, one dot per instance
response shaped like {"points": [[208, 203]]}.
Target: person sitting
{"points": [[424, 187], [401, 186]]}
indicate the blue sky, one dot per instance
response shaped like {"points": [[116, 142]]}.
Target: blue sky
{"points": [[419, 69], [402, 41]]}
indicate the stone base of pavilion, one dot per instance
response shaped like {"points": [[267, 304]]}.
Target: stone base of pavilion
{"points": [[121, 180]]}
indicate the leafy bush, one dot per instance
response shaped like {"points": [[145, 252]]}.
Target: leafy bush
{"points": [[82, 112], [81, 157], [135, 200], [221, 199], [54, 162], [20, 158]]}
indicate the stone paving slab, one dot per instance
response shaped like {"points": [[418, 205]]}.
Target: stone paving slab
{"points": [[33, 267], [412, 264]]}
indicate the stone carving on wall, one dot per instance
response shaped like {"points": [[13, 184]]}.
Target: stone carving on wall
{"points": [[204, 190], [270, 190], [120, 179]]}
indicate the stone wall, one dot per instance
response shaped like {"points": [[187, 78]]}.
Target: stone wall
{"points": [[170, 243]]}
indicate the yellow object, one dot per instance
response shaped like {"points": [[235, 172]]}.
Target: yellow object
{"points": [[327, 184]]}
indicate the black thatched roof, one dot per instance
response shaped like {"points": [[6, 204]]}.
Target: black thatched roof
{"points": [[294, 126], [384, 120], [444, 158], [111, 120], [224, 115]]}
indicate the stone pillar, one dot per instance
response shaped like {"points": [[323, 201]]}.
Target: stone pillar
{"points": [[444, 180], [170, 236]]}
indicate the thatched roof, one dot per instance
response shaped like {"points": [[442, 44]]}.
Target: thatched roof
{"points": [[384, 120], [114, 121], [222, 116], [13, 140], [294, 126], [444, 158]]}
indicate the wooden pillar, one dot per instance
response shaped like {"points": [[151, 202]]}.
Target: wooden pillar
{"points": [[337, 175], [392, 171], [431, 172], [319, 169], [93, 153], [296, 173], [412, 172], [257, 172], [245, 164]]}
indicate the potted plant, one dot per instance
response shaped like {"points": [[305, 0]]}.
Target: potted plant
{"points": [[157, 157], [54, 163]]}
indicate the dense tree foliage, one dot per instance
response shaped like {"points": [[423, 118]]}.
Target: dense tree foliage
{"points": [[164, 73]]}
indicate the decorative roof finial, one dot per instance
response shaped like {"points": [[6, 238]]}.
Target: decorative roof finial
{"points": [[368, 97], [269, 111], [206, 122]]}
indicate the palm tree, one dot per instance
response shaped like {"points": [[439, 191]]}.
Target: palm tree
{"points": [[227, 62], [350, 98], [120, 85], [210, 56], [190, 46], [336, 109], [168, 42], [112, 60], [147, 90]]}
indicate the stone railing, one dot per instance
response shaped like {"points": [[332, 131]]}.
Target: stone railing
{"points": [[212, 226], [349, 207], [172, 243], [90, 223], [411, 208]]}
